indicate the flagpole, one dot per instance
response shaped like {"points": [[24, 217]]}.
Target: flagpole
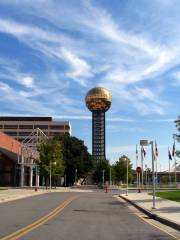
{"points": [[169, 168], [169, 174], [175, 175], [137, 179], [142, 166], [156, 172], [156, 158]]}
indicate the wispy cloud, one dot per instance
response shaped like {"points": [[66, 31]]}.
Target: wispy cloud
{"points": [[88, 45]]}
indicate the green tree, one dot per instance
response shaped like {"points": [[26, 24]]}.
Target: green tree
{"points": [[98, 174], [76, 158], [120, 169], [51, 154], [177, 122]]}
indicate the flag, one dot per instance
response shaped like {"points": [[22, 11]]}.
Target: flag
{"points": [[173, 151], [136, 152], [156, 150], [169, 153], [144, 152]]}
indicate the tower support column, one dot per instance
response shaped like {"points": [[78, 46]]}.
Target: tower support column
{"points": [[98, 136]]}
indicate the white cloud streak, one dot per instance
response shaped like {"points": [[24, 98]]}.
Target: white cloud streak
{"points": [[94, 48]]}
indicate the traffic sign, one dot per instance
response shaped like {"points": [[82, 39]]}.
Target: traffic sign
{"points": [[138, 169]]}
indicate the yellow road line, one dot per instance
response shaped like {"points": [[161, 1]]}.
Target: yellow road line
{"points": [[39, 222]]}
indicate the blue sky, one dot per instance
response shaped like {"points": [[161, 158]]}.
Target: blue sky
{"points": [[53, 51]]}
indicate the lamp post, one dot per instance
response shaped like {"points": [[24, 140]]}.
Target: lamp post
{"points": [[64, 180], [175, 175], [103, 177], [110, 177], [75, 176], [50, 174], [146, 143], [127, 177]]}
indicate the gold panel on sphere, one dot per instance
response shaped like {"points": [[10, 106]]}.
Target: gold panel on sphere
{"points": [[98, 99]]}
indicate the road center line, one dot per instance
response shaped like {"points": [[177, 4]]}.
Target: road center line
{"points": [[39, 222]]}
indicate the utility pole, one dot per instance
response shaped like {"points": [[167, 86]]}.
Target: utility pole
{"points": [[50, 166], [127, 177], [142, 166], [103, 177], [153, 175], [175, 175], [110, 177]]}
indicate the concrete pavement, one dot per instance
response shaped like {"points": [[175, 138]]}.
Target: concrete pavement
{"points": [[166, 210]]}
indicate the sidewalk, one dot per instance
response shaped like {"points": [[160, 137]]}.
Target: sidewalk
{"points": [[15, 193], [166, 211]]}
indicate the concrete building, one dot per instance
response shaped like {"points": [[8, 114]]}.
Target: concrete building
{"points": [[21, 127], [13, 172], [19, 137]]}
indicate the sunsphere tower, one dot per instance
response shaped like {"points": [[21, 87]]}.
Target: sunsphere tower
{"points": [[98, 100]]}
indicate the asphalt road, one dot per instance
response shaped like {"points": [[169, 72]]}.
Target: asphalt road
{"points": [[90, 216]]}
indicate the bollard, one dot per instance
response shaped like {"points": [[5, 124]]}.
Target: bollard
{"points": [[139, 190], [35, 189], [106, 189]]}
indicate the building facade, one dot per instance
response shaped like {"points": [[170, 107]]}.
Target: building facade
{"points": [[19, 137], [20, 128]]}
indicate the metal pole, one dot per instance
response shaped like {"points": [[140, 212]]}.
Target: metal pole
{"points": [[110, 177], [50, 176], [156, 173], [22, 170], [175, 175], [142, 166], [137, 179], [169, 173], [75, 176], [30, 175], [103, 177], [153, 175], [37, 176], [65, 180], [127, 178]]}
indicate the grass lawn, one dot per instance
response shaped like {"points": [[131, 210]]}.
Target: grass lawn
{"points": [[174, 195]]}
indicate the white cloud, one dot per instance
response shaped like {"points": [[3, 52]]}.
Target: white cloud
{"points": [[28, 82], [93, 48], [4, 88], [80, 68]]}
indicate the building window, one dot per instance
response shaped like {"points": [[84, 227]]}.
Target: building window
{"points": [[10, 126], [57, 127], [10, 133], [41, 126], [24, 133], [25, 126]]}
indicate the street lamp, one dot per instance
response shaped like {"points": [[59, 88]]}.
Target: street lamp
{"points": [[103, 177], [76, 176], [50, 173], [146, 143], [127, 177]]}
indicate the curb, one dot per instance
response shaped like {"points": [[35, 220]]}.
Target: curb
{"points": [[153, 215]]}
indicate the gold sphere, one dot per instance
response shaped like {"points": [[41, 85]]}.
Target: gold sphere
{"points": [[98, 99]]}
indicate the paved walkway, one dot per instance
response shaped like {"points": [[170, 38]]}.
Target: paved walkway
{"points": [[166, 209], [14, 193]]}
